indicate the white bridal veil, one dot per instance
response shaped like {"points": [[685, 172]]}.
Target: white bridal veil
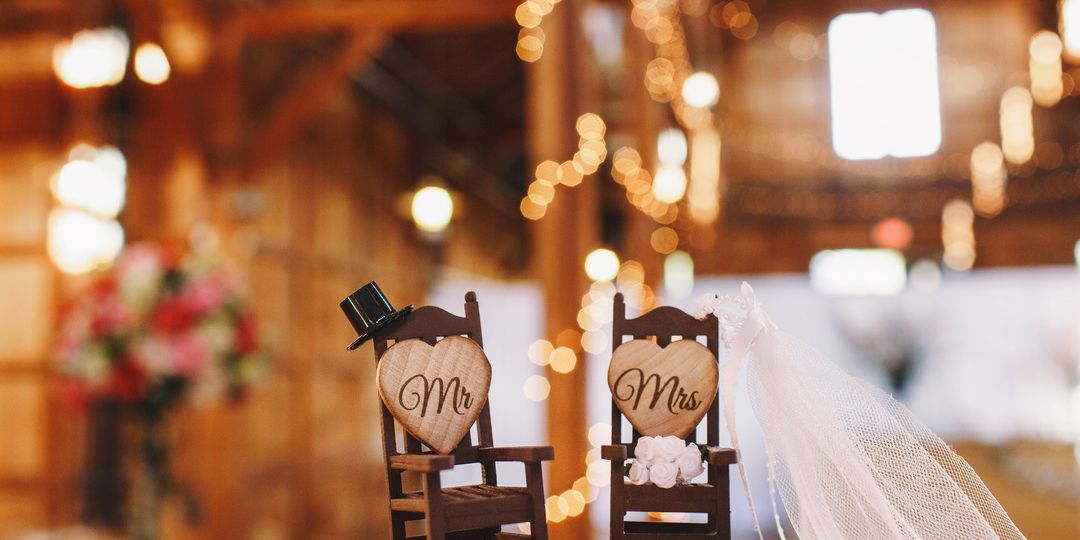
{"points": [[848, 460]]}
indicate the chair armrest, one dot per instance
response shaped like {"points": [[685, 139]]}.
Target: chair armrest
{"points": [[613, 452], [423, 463], [720, 456], [516, 453]]}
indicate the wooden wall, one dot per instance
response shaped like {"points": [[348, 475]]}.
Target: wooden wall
{"points": [[27, 290], [301, 459]]}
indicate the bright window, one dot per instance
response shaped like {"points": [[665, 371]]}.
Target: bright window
{"points": [[884, 84]]}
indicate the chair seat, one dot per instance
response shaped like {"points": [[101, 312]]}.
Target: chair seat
{"points": [[474, 506], [688, 498]]}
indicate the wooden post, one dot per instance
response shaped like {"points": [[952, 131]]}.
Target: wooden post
{"points": [[562, 238]]}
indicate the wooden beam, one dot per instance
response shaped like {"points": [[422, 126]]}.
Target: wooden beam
{"points": [[569, 230], [376, 15], [303, 101]]}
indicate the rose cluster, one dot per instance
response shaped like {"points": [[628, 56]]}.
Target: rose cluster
{"points": [[157, 328], [664, 462]]}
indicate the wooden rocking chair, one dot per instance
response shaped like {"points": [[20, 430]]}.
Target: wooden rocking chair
{"points": [[466, 512], [711, 498]]}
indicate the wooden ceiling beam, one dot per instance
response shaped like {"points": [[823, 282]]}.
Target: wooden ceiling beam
{"points": [[294, 110], [301, 18]]}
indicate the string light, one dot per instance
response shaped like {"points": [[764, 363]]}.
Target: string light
{"points": [[80, 242], [701, 90], [671, 147], [92, 58], [94, 181], [530, 44], [1017, 125], [958, 235], [988, 179], [601, 264], [679, 274], [1044, 66], [669, 184], [151, 64], [530, 14], [591, 152], [540, 352], [664, 240], [537, 388], [432, 209], [90, 190]]}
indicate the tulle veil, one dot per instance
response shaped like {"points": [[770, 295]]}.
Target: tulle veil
{"points": [[848, 460]]}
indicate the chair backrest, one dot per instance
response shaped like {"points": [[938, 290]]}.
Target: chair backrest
{"points": [[663, 324], [430, 324]]}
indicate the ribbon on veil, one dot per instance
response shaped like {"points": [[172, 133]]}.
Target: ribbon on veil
{"points": [[847, 459]]}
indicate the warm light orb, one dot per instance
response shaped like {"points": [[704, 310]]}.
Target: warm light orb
{"points": [[669, 184], [537, 388], [540, 351], [80, 242], [151, 64], [563, 360], [679, 274], [1045, 47], [92, 58], [1044, 68], [671, 148], [432, 209], [602, 265], [86, 186], [701, 90], [892, 233]]}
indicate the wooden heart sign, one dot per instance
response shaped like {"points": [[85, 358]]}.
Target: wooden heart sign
{"points": [[435, 392], [663, 391]]}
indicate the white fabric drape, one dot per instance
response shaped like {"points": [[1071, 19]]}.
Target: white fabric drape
{"points": [[848, 460]]}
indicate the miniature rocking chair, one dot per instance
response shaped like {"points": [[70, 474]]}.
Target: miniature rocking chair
{"points": [[711, 498], [466, 512]]}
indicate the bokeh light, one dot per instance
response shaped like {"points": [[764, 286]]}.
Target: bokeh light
{"points": [[669, 184], [80, 242], [151, 64], [432, 209], [601, 264], [537, 388], [92, 58], [701, 90]]}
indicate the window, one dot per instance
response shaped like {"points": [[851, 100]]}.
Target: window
{"points": [[884, 84]]}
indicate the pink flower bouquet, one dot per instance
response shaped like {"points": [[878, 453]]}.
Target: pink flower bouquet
{"points": [[156, 329]]}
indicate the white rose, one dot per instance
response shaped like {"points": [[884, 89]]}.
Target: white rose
{"points": [[689, 463], [645, 451], [639, 472], [667, 449], [663, 474]]}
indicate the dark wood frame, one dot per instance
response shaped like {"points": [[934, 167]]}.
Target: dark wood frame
{"points": [[471, 512], [711, 498]]}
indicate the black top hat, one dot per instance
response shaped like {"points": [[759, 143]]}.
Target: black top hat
{"points": [[368, 310]]}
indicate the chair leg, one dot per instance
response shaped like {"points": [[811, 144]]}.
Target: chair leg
{"points": [[534, 479], [723, 504], [436, 515], [618, 516], [397, 527]]}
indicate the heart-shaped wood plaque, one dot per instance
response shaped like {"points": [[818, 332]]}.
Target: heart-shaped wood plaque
{"points": [[435, 392], [663, 391]]}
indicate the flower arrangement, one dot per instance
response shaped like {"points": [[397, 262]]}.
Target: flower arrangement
{"points": [[157, 328], [665, 462]]}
